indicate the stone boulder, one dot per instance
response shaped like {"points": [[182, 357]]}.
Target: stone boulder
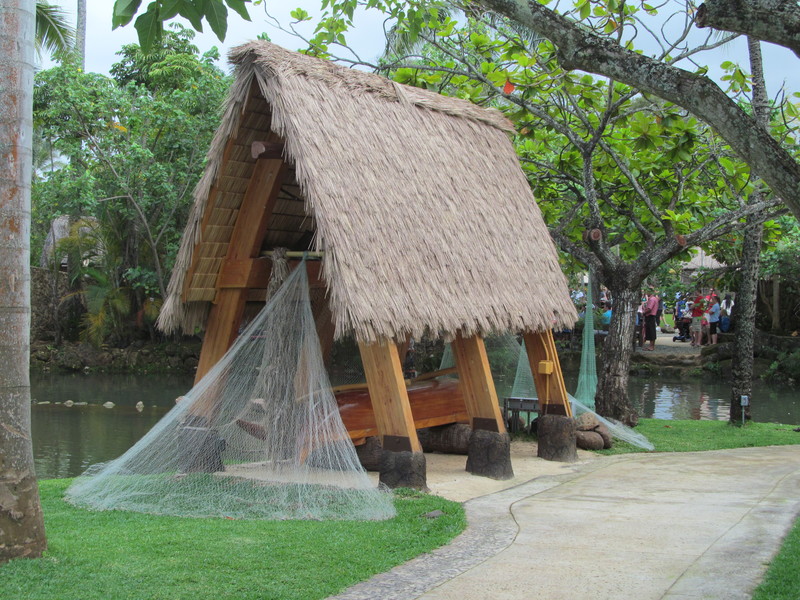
{"points": [[604, 433], [589, 440], [586, 422]]}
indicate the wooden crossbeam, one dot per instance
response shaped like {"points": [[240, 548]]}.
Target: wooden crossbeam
{"points": [[547, 374], [477, 384], [254, 273]]}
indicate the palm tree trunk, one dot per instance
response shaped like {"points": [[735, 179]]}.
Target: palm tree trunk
{"points": [[747, 293], [21, 524], [80, 34]]}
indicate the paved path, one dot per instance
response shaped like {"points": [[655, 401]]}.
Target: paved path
{"points": [[640, 526]]}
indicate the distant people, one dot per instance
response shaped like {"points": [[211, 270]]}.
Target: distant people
{"points": [[640, 322], [606, 318], [650, 319], [713, 319], [726, 306], [683, 320], [696, 328], [726, 314]]}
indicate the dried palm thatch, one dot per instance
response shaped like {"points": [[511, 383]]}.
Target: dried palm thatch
{"points": [[418, 201]]}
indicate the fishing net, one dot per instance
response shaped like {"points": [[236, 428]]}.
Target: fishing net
{"points": [[506, 349], [587, 376], [259, 437], [617, 429]]}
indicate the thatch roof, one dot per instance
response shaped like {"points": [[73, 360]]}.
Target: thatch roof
{"points": [[417, 200]]}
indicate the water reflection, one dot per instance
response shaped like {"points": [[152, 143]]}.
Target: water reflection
{"points": [[66, 440], [709, 399]]}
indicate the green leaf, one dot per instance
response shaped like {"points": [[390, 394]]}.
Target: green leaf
{"points": [[298, 14], [190, 12], [169, 9], [217, 17], [239, 7], [149, 27], [123, 12]]}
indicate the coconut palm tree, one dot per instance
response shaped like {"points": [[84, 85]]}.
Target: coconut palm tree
{"points": [[21, 524], [54, 35]]}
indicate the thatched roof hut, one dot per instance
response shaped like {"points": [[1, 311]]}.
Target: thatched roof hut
{"points": [[417, 200]]}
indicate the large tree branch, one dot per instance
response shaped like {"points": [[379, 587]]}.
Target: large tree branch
{"points": [[581, 49], [776, 21]]}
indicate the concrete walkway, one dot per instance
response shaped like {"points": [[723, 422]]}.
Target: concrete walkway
{"points": [[639, 526]]}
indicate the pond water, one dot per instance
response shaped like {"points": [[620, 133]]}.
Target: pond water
{"points": [[66, 440]]}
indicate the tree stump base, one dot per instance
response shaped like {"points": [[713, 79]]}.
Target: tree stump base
{"points": [[557, 439], [403, 469], [370, 453], [449, 439], [490, 454]]}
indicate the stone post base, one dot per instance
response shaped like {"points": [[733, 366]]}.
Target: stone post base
{"points": [[489, 454], [403, 469], [556, 435]]}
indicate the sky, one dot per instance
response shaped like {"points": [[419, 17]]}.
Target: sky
{"points": [[781, 65]]}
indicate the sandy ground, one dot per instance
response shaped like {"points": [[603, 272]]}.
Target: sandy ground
{"points": [[447, 477]]}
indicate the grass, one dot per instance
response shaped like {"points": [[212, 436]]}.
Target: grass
{"points": [[691, 436], [782, 581], [126, 555]]}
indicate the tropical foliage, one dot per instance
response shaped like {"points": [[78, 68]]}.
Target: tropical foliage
{"points": [[625, 181], [133, 147]]}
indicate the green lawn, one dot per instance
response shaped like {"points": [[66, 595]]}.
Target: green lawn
{"points": [[782, 581], [688, 436], [123, 555]]}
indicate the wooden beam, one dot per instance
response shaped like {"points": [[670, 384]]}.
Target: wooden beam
{"points": [[221, 329], [477, 384], [266, 149], [248, 233], [244, 273], [212, 194], [387, 391], [547, 374], [254, 273]]}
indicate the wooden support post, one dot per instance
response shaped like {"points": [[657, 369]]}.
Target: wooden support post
{"points": [[477, 385], [389, 396], [489, 446], [251, 225], [547, 375]]}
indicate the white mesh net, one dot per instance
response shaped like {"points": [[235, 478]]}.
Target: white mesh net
{"points": [[259, 437], [505, 350]]}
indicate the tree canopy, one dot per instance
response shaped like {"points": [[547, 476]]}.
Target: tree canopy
{"points": [[134, 147]]}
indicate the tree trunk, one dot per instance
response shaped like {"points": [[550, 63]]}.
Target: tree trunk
{"points": [[80, 34], [776, 304], [776, 21], [742, 363], [612, 387], [21, 523]]}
